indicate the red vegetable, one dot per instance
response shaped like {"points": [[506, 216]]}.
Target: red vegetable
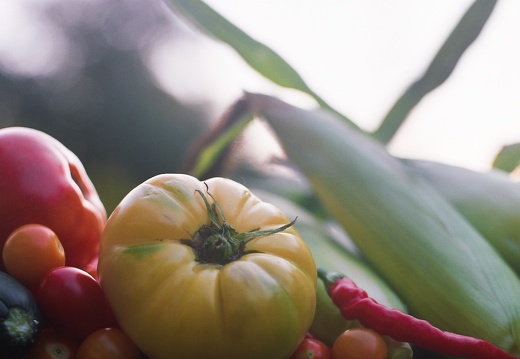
{"points": [[355, 304], [311, 348], [44, 182], [71, 299]]}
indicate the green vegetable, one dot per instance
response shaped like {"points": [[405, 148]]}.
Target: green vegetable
{"points": [[442, 268], [332, 250], [489, 200], [20, 319]]}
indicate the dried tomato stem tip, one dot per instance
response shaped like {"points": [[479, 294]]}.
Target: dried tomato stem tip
{"points": [[329, 278], [354, 303], [218, 242]]}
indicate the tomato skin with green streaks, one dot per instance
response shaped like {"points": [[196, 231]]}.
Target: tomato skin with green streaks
{"points": [[258, 304]]}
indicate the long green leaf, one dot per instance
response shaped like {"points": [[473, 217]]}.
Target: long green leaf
{"points": [[260, 57], [211, 150], [441, 67]]}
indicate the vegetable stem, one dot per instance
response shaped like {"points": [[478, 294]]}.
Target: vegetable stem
{"points": [[218, 242], [20, 324]]}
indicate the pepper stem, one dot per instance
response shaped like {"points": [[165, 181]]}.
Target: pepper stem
{"points": [[218, 242], [329, 278]]}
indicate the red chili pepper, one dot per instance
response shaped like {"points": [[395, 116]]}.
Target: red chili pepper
{"points": [[355, 304]]}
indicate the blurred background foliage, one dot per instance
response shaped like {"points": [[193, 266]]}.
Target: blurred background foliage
{"points": [[94, 91], [86, 73]]}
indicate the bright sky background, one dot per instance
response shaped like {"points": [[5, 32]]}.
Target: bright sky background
{"points": [[361, 55]]}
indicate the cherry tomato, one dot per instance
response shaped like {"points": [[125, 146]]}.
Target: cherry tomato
{"points": [[359, 343], [30, 252], [311, 348], [53, 345], [108, 343], [72, 299]]}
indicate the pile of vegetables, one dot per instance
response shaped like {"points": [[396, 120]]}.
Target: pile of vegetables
{"points": [[182, 268], [51, 303], [189, 268], [392, 259]]}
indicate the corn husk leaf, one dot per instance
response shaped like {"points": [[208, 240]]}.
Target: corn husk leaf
{"points": [[332, 252], [441, 267], [489, 200]]}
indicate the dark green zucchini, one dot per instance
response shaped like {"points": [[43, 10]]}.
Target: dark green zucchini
{"points": [[20, 319]]}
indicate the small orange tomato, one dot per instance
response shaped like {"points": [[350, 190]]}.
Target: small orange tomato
{"points": [[108, 343], [30, 252], [359, 343]]}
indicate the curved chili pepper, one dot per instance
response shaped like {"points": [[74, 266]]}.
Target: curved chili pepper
{"points": [[355, 304]]}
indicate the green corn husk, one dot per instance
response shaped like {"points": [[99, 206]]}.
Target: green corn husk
{"points": [[441, 267], [323, 240], [489, 200]]}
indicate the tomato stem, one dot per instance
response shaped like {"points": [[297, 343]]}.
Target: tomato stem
{"points": [[218, 242]]}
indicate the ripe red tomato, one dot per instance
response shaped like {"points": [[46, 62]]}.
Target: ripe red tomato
{"points": [[72, 299], [108, 343], [359, 343], [311, 348], [53, 345], [30, 252], [42, 181]]}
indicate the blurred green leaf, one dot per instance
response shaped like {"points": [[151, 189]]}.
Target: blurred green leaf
{"points": [[209, 154], [260, 57], [508, 159], [211, 150], [441, 67]]}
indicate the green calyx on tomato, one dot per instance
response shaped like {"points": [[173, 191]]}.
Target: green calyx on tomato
{"points": [[218, 242]]}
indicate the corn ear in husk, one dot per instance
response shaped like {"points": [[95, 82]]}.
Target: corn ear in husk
{"points": [[323, 239], [441, 267], [489, 200]]}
